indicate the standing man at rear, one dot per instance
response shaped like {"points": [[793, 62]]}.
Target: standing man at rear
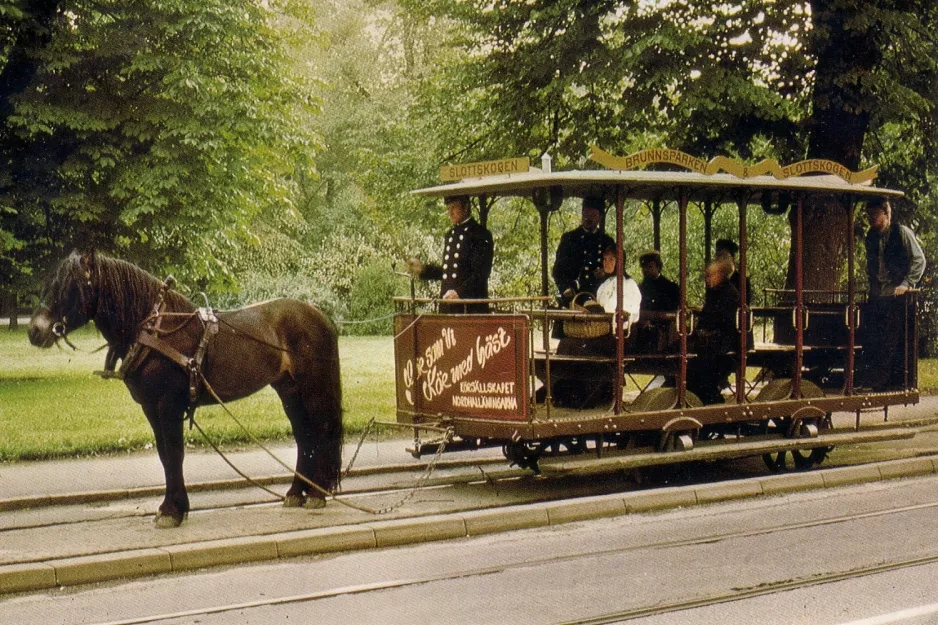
{"points": [[467, 260], [894, 264], [579, 260]]}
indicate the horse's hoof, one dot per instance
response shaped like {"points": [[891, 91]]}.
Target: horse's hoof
{"points": [[294, 501], [314, 503], [169, 521]]}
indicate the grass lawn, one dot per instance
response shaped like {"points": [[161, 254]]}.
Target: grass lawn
{"points": [[52, 405]]}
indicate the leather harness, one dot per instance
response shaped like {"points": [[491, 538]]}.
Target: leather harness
{"points": [[149, 338]]}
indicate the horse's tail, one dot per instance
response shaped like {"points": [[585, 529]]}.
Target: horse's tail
{"points": [[326, 420], [332, 435]]}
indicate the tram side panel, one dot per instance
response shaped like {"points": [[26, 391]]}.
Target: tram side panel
{"points": [[449, 367]]}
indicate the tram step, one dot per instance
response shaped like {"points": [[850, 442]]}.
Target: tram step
{"points": [[713, 450]]}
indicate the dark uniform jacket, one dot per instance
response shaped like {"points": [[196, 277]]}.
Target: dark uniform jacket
{"points": [[467, 263], [579, 255], [660, 294], [902, 255], [656, 335], [716, 326], [735, 279]]}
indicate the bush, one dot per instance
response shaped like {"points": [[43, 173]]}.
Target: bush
{"points": [[370, 307], [259, 286]]}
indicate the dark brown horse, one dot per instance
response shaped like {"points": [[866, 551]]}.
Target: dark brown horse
{"points": [[287, 344]]}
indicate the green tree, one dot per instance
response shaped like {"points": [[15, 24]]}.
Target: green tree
{"points": [[157, 130], [789, 79]]}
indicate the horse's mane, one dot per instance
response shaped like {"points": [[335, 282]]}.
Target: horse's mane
{"points": [[126, 293]]}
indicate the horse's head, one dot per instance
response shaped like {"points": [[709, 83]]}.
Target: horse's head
{"points": [[70, 300]]}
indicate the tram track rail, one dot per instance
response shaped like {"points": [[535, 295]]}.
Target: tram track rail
{"points": [[750, 593], [735, 594], [59, 499], [79, 553], [94, 501], [478, 471]]}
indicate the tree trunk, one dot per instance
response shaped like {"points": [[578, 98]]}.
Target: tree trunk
{"points": [[837, 127]]}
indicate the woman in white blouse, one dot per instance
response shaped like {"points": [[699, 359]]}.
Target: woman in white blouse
{"points": [[606, 293], [592, 383]]}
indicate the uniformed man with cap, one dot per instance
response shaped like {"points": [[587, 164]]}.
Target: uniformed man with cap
{"points": [[467, 260], [579, 259]]}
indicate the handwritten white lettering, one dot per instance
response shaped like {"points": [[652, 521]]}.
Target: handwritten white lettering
{"points": [[493, 344], [435, 384]]}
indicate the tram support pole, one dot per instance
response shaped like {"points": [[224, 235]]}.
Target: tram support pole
{"points": [[851, 301], [619, 316], [799, 298], [544, 283], [742, 317], [682, 310]]}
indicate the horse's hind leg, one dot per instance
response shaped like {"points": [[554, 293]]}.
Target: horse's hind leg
{"points": [[303, 434]]}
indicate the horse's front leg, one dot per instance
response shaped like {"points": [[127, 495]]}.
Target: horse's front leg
{"points": [[166, 419]]}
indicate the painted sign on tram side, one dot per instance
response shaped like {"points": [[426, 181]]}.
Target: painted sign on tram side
{"points": [[468, 365]]}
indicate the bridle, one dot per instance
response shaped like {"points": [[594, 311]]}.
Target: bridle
{"points": [[60, 327]]}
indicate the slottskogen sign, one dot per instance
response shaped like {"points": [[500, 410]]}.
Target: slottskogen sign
{"points": [[449, 173]]}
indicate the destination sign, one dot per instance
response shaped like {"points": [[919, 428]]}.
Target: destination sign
{"points": [[450, 173], [643, 158]]}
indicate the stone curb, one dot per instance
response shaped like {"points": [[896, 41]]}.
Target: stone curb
{"points": [[117, 494], [34, 576]]}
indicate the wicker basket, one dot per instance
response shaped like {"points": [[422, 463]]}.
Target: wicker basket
{"points": [[586, 329]]}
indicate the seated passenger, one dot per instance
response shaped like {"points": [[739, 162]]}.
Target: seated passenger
{"points": [[606, 293], [715, 335], [593, 385], [659, 294], [726, 249]]}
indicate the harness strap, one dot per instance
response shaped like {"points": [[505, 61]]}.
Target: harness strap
{"points": [[209, 330], [192, 365], [154, 342]]}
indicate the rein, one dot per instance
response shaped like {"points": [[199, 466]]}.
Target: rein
{"points": [[150, 336], [447, 437]]}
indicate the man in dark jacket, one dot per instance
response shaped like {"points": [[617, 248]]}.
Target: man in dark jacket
{"points": [[894, 264], [726, 247], [578, 263], [659, 294], [467, 260], [715, 335]]}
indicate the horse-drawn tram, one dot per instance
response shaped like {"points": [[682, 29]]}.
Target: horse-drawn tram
{"points": [[502, 378]]}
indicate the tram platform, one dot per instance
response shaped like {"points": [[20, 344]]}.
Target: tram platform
{"points": [[88, 520]]}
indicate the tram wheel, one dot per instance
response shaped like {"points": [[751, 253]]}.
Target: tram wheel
{"points": [[524, 455], [775, 462], [795, 459], [807, 458]]}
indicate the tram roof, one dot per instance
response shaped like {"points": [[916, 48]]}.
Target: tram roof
{"points": [[650, 185]]}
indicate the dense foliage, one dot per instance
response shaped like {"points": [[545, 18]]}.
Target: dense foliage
{"points": [[855, 82], [155, 130], [182, 134]]}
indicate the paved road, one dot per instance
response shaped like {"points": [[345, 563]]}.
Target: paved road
{"points": [[106, 535], [813, 558]]}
